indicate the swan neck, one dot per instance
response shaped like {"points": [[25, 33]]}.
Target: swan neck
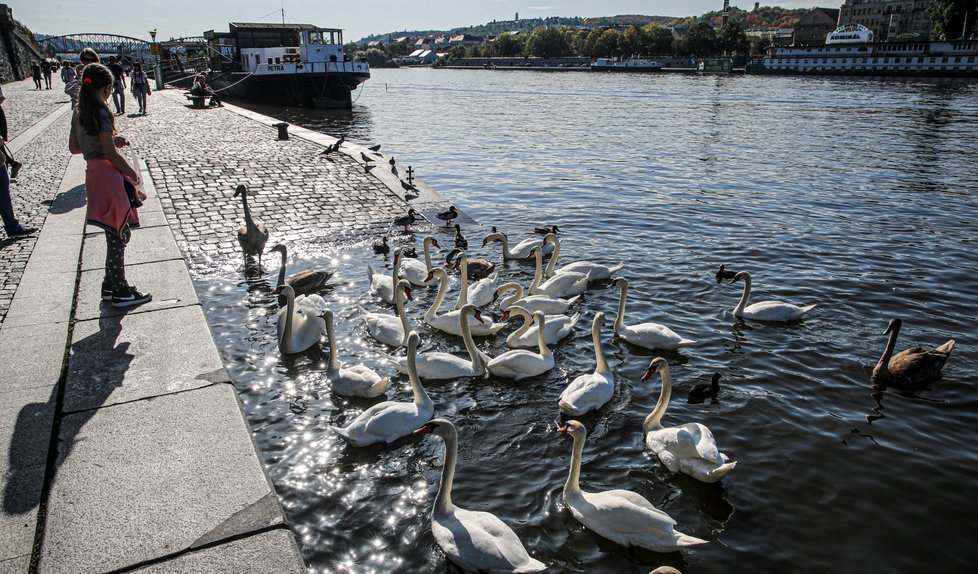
{"points": [[653, 421], [334, 361], [470, 347], [443, 502], [527, 323], [552, 264], [281, 270], [420, 396], [542, 340], [432, 311], [463, 292], [602, 365], [510, 300], [573, 485], [401, 313], [538, 272], [289, 314], [427, 253], [507, 254], [743, 298], [620, 320], [247, 211], [884, 364]]}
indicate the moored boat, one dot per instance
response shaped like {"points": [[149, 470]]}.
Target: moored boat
{"points": [[628, 65], [284, 64], [851, 51]]}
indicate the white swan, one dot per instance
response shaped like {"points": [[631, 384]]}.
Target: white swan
{"points": [[521, 364], [383, 285], [356, 381], [558, 328], [648, 335], [479, 293], [690, 448], [592, 391], [390, 329], [766, 310], [621, 516], [440, 366], [520, 251], [298, 323], [560, 285], [415, 271], [390, 420], [594, 271], [544, 303], [473, 540], [449, 322]]}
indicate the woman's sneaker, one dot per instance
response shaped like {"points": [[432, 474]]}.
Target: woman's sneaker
{"points": [[106, 291], [129, 296]]}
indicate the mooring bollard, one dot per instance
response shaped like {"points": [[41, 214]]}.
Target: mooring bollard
{"points": [[283, 130]]}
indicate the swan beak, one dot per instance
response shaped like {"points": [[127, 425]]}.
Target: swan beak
{"points": [[435, 243], [429, 277], [562, 428], [648, 374], [425, 429], [278, 289], [478, 315], [505, 316], [484, 242], [407, 293]]}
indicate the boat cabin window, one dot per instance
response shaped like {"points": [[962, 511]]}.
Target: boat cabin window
{"points": [[325, 37]]}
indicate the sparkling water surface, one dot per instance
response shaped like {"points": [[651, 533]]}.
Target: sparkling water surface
{"points": [[860, 195]]}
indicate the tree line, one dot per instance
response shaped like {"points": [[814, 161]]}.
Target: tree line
{"points": [[648, 41]]}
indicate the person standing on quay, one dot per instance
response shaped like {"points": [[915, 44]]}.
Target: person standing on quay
{"points": [[46, 70], [6, 156], [140, 86], [36, 74], [67, 72], [107, 176], [85, 57], [118, 87], [10, 223]]}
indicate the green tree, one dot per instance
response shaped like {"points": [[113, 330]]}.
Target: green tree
{"points": [[732, 40], [591, 43], [507, 46], [634, 42], [607, 44], [953, 19], [759, 46], [699, 41], [548, 43], [660, 39]]}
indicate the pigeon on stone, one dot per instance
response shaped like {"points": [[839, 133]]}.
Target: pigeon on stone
{"points": [[374, 148], [366, 157], [391, 161], [408, 187], [367, 167], [394, 171]]}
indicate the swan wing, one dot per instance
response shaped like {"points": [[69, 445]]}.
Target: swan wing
{"points": [[519, 364], [385, 422], [586, 393], [414, 271], [439, 366], [653, 336], [358, 381], [696, 441], [480, 541], [775, 311]]}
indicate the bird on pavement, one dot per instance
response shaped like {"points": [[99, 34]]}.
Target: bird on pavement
{"points": [[408, 186], [366, 157], [407, 220], [367, 167], [374, 148], [448, 215], [394, 171], [391, 161]]}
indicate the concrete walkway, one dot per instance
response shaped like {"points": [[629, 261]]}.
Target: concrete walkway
{"points": [[124, 444]]}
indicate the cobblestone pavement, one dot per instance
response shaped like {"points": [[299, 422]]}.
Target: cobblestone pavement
{"points": [[45, 160], [25, 106], [197, 158]]}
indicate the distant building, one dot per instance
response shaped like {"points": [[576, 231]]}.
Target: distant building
{"points": [[761, 34], [888, 18], [466, 40], [375, 44], [783, 37], [811, 29]]}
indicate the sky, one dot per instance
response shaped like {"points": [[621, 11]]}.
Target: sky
{"points": [[358, 18]]}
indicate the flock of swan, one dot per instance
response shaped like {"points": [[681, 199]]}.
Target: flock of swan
{"points": [[480, 541]]}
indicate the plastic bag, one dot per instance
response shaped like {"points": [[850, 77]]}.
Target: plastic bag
{"points": [[136, 164]]}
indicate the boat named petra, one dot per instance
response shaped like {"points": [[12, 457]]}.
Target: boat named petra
{"points": [[629, 65], [851, 51], [284, 64]]}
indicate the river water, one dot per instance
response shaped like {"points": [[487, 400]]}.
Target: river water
{"points": [[860, 195]]}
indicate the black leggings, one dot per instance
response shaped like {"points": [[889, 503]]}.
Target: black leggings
{"points": [[115, 262]]}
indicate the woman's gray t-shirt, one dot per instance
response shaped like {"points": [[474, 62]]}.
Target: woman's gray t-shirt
{"points": [[91, 145]]}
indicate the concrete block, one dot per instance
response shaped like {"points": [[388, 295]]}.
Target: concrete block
{"points": [[168, 281], [32, 355], [42, 298], [274, 551], [145, 246], [147, 479], [15, 565], [125, 358]]}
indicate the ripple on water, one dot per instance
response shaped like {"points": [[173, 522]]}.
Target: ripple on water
{"points": [[856, 195]]}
